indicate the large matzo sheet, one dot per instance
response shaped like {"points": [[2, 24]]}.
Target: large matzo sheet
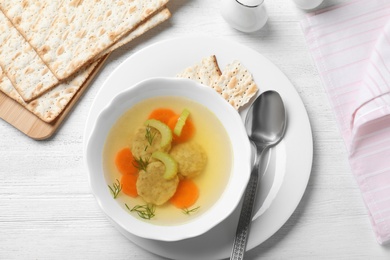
{"points": [[52, 103], [152, 21], [48, 106], [79, 30], [24, 68]]}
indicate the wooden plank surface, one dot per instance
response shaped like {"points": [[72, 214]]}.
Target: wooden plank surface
{"points": [[28, 123]]}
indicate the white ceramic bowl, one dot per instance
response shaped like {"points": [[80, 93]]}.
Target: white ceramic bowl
{"points": [[203, 95]]}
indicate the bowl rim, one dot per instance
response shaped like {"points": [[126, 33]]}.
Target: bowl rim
{"points": [[237, 182]]}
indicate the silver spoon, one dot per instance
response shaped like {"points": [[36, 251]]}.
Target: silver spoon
{"points": [[265, 124]]}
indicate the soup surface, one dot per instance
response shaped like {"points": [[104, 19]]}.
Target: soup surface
{"points": [[209, 134]]}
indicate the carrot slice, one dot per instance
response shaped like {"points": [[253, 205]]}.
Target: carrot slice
{"points": [[162, 114], [124, 162], [129, 184], [187, 132], [186, 194]]}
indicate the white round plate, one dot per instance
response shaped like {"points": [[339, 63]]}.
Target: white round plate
{"points": [[289, 165]]}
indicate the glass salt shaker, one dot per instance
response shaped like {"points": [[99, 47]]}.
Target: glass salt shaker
{"points": [[244, 15]]}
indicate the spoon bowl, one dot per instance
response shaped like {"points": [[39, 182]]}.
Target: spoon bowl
{"points": [[265, 124]]}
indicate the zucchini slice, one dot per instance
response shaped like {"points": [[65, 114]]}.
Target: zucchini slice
{"points": [[170, 164], [165, 131], [181, 122]]}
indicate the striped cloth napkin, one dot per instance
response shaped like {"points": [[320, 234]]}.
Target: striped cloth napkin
{"points": [[350, 45]]}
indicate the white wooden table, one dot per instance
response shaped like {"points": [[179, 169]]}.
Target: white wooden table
{"points": [[48, 212]]}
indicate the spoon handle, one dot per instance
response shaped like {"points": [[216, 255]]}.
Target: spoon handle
{"points": [[244, 222]]}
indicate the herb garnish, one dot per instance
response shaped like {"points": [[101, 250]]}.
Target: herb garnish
{"points": [[140, 163], [115, 189], [189, 211], [149, 135], [143, 211]]}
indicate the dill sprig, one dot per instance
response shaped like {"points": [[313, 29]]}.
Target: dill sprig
{"points": [[115, 189], [149, 135], [190, 211], [140, 163], [143, 211]]}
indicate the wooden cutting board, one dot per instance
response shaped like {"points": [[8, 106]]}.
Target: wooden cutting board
{"points": [[25, 121]]}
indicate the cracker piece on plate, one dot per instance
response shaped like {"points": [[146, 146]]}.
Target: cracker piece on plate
{"points": [[80, 30], [48, 106], [206, 72], [236, 84], [22, 65]]}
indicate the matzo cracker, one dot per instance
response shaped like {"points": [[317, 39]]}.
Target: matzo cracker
{"points": [[236, 84], [79, 31], [48, 106], [22, 65], [206, 72]]}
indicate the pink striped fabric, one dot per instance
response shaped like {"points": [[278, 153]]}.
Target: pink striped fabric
{"points": [[350, 45]]}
